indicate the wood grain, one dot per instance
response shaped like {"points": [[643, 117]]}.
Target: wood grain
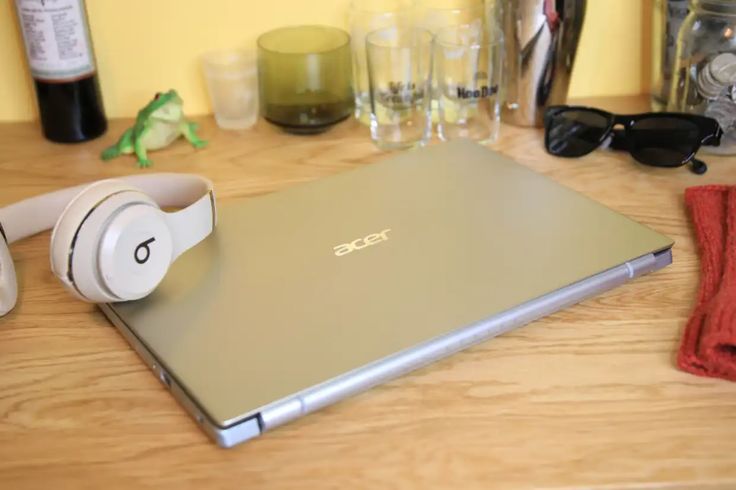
{"points": [[586, 398]]}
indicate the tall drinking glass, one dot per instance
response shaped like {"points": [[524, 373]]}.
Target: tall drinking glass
{"points": [[399, 75], [368, 16], [435, 15], [469, 74]]}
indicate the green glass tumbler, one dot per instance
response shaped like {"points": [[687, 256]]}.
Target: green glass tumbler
{"points": [[305, 77]]}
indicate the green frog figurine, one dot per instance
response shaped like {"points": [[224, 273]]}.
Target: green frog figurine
{"points": [[156, 126]]}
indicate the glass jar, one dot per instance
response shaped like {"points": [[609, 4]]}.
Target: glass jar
{"points": [[704, 80], [667, 18]]}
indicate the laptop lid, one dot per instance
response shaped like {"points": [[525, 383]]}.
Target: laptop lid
{"points": [[300, 286]]}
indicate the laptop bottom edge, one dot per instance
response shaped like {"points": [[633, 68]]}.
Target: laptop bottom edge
{"points": [[331, 391]]}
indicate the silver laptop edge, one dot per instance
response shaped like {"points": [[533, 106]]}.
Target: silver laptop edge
{"points": [[279, 412]]}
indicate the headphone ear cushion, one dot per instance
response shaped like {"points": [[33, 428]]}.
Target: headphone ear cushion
{"points": [[71, 218], [8, 281], [75, 241]]}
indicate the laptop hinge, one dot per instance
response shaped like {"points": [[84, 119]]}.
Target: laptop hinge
{"points": [[663, 258]]}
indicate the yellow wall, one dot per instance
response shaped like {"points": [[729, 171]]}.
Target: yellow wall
{"points": [[144, 46]]}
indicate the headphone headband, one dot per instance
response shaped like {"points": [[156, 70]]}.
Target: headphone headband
{"points": [[191, 192], [176, 231]]}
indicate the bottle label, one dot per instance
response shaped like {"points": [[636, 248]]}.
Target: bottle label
{"points": [[57, 39]]}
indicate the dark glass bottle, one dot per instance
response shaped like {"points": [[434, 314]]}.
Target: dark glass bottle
{"points": [[62, 63]]}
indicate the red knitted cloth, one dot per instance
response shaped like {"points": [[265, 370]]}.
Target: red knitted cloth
{"points": [[709, 342]]}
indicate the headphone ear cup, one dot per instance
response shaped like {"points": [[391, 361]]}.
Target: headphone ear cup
{"points": [[135, 252], [80, 231], [72, 217], [8, 281]]}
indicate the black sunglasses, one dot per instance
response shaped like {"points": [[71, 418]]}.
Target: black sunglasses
{"points": [[660, 139]]}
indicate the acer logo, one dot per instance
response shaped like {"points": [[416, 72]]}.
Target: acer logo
{"points": [[361, 243]]}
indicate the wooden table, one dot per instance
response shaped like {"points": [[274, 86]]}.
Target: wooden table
{"points": [[586, 398]]}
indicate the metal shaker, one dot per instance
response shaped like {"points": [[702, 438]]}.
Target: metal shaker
{"points": [[541, 38]]}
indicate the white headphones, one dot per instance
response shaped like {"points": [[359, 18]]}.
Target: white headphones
{"points": [[111, 241]]}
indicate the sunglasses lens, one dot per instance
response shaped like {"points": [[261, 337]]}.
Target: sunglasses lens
{"points": [[664, 141], [574, 132]]}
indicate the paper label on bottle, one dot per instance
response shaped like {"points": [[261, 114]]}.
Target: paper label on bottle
{"points": [[57, 39]]}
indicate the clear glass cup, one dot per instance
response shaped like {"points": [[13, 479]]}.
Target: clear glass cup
{"points": [[435, 15], [494, 14], [469, 74], [399, 75], [305, 77], [232, 83], [368, 16]]}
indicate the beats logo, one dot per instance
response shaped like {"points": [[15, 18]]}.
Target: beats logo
{"points": [[143, 251], [361, 243]]}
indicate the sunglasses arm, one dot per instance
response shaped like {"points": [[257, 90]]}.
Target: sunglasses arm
{"points": [[698, 167]]}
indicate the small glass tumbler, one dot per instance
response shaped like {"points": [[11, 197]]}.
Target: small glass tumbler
{"points": [[368, 16], [233, 88], [305, 77], [399, 74], [469, 65]]}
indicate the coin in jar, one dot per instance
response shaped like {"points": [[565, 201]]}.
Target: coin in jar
{"points": [[723, 68]]}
